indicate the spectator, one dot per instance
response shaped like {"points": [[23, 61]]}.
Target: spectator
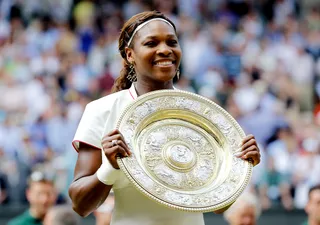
{"points": [[41, 195], [104, 212], [245, 211], [313, 206], [61, 215], [274, 187]]}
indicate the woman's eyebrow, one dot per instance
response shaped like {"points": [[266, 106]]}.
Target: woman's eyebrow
{"points": [[155, 36]]}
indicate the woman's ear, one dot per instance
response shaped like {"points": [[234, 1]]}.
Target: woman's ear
{"points": [[129, 54]]}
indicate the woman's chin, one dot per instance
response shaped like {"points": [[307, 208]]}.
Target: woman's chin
{"points": [[164, 77]]}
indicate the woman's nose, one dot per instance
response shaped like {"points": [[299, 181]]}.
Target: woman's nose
{"points": [[164, 49]]}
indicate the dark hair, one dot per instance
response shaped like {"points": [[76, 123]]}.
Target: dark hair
{"points": [[126, 32], [316, 187]]}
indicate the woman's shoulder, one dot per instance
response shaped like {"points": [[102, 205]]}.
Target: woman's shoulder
{"points": [[108, 100]]}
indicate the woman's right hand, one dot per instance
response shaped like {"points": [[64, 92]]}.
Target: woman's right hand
{"points": [[114, 145]]}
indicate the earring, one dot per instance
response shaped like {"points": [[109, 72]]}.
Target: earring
{"points": [[178, 74], [132, 74]]}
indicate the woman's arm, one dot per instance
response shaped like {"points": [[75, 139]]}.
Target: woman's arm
{"points": [[86, 191]]}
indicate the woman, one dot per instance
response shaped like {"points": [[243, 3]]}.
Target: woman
{"points": [[149, 45]]}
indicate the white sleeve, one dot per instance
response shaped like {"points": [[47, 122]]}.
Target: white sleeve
{"points": [[91, 127]]}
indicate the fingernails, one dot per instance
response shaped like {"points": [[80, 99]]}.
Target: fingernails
{"points": [[238, 154]]}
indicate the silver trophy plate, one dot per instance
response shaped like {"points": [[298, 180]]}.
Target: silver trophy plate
{"points": [[184, 148]]}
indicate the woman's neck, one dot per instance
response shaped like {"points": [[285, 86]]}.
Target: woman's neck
{"points": [[143, 87]]}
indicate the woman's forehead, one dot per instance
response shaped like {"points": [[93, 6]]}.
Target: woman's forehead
{"points": [[155, 29]]}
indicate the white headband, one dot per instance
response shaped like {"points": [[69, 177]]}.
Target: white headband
{"points": [[145, 23]]}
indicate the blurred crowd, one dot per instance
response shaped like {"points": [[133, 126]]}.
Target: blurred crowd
{"points": [[257, 59]]}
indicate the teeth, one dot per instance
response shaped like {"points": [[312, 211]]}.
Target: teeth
{"points": [[164, 63]]}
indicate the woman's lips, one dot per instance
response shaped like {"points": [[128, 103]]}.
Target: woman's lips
{"points": [[164, 63]]}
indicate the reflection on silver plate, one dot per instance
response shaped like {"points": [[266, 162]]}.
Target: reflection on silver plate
{"points": [[183, 151]]}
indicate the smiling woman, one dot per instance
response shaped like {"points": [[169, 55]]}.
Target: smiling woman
{"points": [[151, 55]]}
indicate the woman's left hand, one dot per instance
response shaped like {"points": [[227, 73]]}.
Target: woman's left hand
{"points": [[250, 150]]}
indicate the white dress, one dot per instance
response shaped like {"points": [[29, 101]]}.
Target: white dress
{"points": [[131, 207]]}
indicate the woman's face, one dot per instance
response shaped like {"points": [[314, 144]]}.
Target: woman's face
{"points": [[156, 52]]}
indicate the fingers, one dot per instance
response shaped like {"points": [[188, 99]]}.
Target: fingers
{"points": [[108, 144], [247, 142], [247, 138], [254, 156], [124, 146], [107, 141], [117, 150], [114, 146], [113, 153], [249, 150]]}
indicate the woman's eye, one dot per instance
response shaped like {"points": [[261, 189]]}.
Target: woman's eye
{"points": [[150, 43], [173, 42]]}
